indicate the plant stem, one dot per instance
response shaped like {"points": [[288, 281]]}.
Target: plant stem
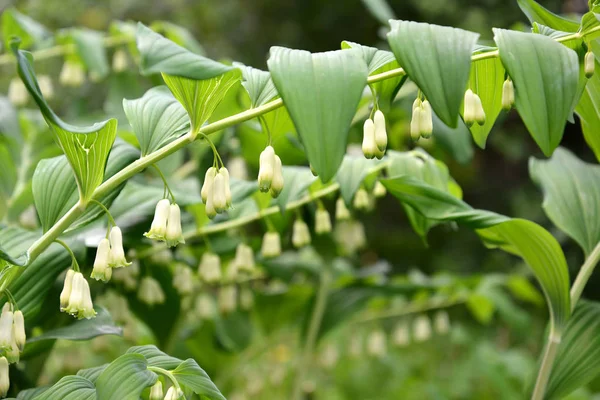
{"points": [[164, 182], [584, 275], [111, 220], [313, 331], [73, 258], [166, 373], [418, 308], [546, 366]]}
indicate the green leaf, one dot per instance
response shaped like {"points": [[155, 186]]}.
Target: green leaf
{"points": [[258, 85], [155, 357], [588, 110], [297, 180], [160, 55], [537, 13], [30, 394], [157, 118], [69, 388], [352, 173], [31, 32], [532, 61], [200, 98], [125, 378], [523, 238], [321, 92], [91, 50], [84, 329], [481, 307], [178, 34], [487, 78], [86, 148], [92, 374], [578, 359], [571, 195], [190, 375], [438, 59]]}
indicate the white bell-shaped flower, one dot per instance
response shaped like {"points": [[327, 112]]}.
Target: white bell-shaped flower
{"points": [[72, 74], [377, 343], [246, 298], [150, 291], [102, 271], [173, 393], [369, 146], [478, 110], [225, 172], [381, 138], [277, 182], [329, 356], [116, 256], [207, 186], [244, 258], [322, 221], [361, 200], [156, 392], [219, 194], [508, 94], [158, 229], [205, 307], [341, 211], [300, 234], [589, 64], [441, 322], [13, 354], [46, 86], [17, 92], [67, 288], [266, 169], [227, 299], [422, 328], [183, 279], [271, 245], [415, 122], [174, 235], [350, 235], [379, 190], [237, 168], [210, 268], [426, 123], [120, 61], [4, 377], [6, 329], [469, 108], [19, 329], [80, 300], [401, 335]]}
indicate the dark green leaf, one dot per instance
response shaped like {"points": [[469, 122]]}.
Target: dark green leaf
{"points": [[351, 174], [125, 378], [92, 374], [537, 13], [190, 375], [69, 388], [258, 85], [588, 110], [297, 180]]}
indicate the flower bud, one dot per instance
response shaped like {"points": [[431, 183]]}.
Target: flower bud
{"points": [[376, 343], [350, 235], [361, 200], [227, 299], [508, 94], [174, 236], [415, 123], [6, 330], [102, 271], [150, 291], [223, 171], [380, 132], [422, 328], [300, 234], [17, 92], [441, 322], [80, 300], [7, 307], [266, 169], [158, 229], [238, 168], [210, 210], [19, 329], [210, 268], [246, 298], [401, 335], [322, 221], [244, 258], [369, 146], [67, 288], [183, 279], [479, 112], [379, 190], [120, 61], [426, 123], [207, 186], [173, 393], [72, 74], [271, 245], [219, 198], [205, 306], [116, 255], [277, 182], [156, 392], [589, 64], [46, 87], [469, 108], [341, 211], [4, 379]]}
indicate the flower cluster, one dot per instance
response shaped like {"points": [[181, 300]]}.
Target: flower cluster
{"points": [[110, 254], [270, 173], [421, 124], [166, 225], [374, 136], [473, 111], [75, 298], [12, 342], [216, 193]]}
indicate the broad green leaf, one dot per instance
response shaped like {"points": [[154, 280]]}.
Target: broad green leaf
{"points": [[297, 180], [487, 78], [178, 34], [55, 188], [157, 118], [69, 388], [456, 141], [200, 98], [438, 59], [30, 394], [160, 55], [258, 85], [31, 32], [578, 359], [190, 375], [86, 148], [125, 378], [571, 195], [84, 329], [91, 50], [537, 13], [379, 61], [155, 357], [588, 110], [590, 24], [532, 61], [92, 374], [352, 173], [321, 92], [538, 248]]}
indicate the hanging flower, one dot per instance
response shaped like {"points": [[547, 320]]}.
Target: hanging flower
{"points": [[380, 132], [102, 271], [271, 245], [174, 235], [322, 221], [244, 258], [72, 74], [80, 299], [589, 64], [361, 200], [341, 211], [158, 229], [19, 329], [422, 328], [508, 94], [379, 190], [6, 329], [183, 279], [238, 168], [150, 291], [120, 61], [369, 146], [156, 392], [227, 299], [17, 92], [415, 122], [401, 335], [300, 234], [116, 256], [246, 298], [441, 322], [376, 343], [4, 378], [66, 292], [205, 307], [210, 268], [173, 393], [277, 182], [426, 123], [266, 169]]}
